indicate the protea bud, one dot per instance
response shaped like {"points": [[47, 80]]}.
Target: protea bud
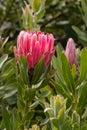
{"points": [[34, 46], [71, 52]]}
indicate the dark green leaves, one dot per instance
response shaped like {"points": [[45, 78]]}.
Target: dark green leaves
{"points": [[8, 83], [64, 80], [84, 11], [67, 74], [82, 35], [82, 98], [38, 71], [7, 120], [82, 85], [83, 65], [23, 66]]}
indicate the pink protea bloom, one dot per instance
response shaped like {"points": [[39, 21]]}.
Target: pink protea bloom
{"points": [[71, 52], [34, 46]]}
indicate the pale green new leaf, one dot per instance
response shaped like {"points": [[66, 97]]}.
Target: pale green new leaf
{"points": [[36, 5], [74, 71], [3, 59]]}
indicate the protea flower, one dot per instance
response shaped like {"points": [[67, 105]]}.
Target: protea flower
{"points": [[34, 46], [71, 52]]}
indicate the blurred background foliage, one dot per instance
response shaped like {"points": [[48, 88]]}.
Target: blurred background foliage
{"points": [[64, 19], [58, 19]]}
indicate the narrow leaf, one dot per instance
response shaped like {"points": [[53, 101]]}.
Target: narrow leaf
{"points": [[82, 100], [3, 59], [67, 74], [81, 34], [36, 5], [24, 70], [6, 118], [39, 69], [83, 65]]}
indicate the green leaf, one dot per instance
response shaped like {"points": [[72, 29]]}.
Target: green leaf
{"points": [[56, 61], [40, 14], [20, 105], [45, 121], [4, 43], [75, 117], [55, 122], [21, 87], [57, 65], [10, 93], [11, 100], [74, 71], [64, 22], [38, 71], [15, 119], [61, 89], [82, 98], [31, 2], [28, 19], [84, 6], [81, 34], [83, 66], [3, 59], [84, 10], [8, 74], [41, 10], [2, 91], [60, 83], [10, 64], [23, 66], [44, 127], [30, 94], [45, 94], [84, 127], [30, 115], [67, 74], [35, 104], [36, 5], [6, 118]]}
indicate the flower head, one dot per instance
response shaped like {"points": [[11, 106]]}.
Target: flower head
{"points": [[71, 52], [34, 46]]}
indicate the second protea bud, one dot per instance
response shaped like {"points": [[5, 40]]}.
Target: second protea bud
{"points": [[71, 52]]}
